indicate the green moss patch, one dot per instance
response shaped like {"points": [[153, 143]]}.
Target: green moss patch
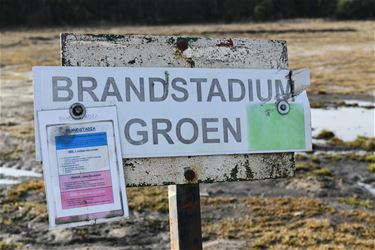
{"points": [[322, 172], [371, 167], [304, 166], [309, 168], [370, 158], [10, 246], [354, 201]]}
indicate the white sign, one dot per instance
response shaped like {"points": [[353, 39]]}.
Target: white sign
{"points": [[82, 169], [187, 111]]}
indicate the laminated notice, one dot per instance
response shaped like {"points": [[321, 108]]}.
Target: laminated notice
{"points": [[83, 169]]}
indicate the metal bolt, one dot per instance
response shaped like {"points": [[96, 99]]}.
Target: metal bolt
{"points": [[77, 111], [189, 174], [182, 44], [283, 107]]}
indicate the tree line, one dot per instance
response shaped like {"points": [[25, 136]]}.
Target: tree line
{"points": [[15, 13]]}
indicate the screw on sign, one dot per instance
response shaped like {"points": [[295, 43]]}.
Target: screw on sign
{"points": [[77, 111], [189, 174], [283, 107], [182, 43]]}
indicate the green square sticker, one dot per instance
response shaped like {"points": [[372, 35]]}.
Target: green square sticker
{"points": [[269, 130]]}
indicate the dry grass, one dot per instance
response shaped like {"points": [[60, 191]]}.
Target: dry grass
{"points": [[10, 155], [274, 223], [297, 223], [25, 202], [148, 198], [24, 131], [341, 63], [10, 245], [361, 142], [340, 54], [311, 169], [17, 192]]}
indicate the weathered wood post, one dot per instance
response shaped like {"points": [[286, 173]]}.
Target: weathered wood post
{"points": [[183, 174], [185, 216]]}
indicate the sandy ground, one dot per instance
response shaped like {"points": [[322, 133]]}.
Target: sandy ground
{"points": [[329, 203]]}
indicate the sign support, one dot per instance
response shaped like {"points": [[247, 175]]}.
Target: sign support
{"points": [[185, 217], [183, 174]]}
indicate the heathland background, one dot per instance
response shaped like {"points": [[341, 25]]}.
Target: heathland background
{"points": [[328, 204], [83, 12]]}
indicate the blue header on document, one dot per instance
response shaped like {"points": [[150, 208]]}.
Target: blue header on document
{"points": [[81, 140]]}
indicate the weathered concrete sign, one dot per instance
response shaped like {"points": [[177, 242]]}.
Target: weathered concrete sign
{"points": [[180, 52], [187, 111]]}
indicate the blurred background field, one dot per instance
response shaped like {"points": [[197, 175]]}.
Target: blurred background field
{"points": [[329, 204], [37, 13], [340, 53]]}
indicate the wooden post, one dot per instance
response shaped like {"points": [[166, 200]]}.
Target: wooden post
{"points": [[185, 217]]}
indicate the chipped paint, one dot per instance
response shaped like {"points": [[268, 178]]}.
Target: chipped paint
{"points": [[226, 43], [188, 53], [162, 51], [166, 74]]}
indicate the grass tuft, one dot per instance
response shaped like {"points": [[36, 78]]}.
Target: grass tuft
{"points": [[24, 202], [148, 198], [370, 158], [17, 192], [304, 166], [325, 135], [354, 201], [10, 246], [23, 131], [296, 223], [361, 142], [12, 155], [371, 167], [212, 201], [364, 143], [322, 172], [312, 169]]}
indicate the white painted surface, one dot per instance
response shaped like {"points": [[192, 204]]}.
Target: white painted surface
{"points": [[162, 51], [214, 112]]}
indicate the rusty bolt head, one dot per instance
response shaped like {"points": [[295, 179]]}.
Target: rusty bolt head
{"points": [[182, 44], [189, 174]]}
